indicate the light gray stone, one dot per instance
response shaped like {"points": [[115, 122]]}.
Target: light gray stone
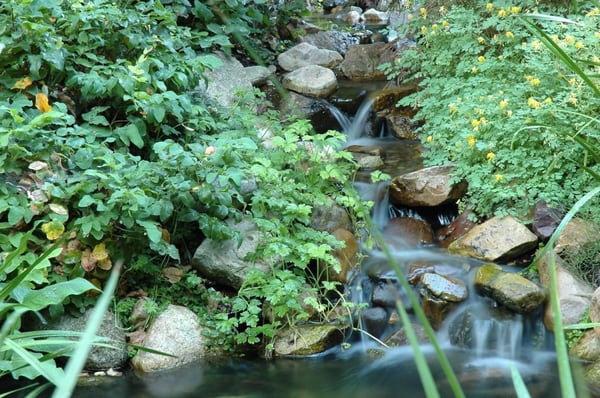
{"points": [[426, 187], [305, 54], [175, 331], [224, 82], [311, 80], [257, 74]]}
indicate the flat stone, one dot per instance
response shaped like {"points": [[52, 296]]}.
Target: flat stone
{"points": [[257, 74], [426, 187], [311, 80], [306, 340], [305, 54], [445, 287]]}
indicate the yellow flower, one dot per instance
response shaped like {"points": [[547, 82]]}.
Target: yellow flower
{"points": [[503, 103], [490, 156], [579, 45], [548, 100], [475, 124], [502, 13], [424, 29], [510, 35], [410, 17], [597, 35], [509, 113], [429, 138], [515, 10], [474, 70], [570, 39], [534, 81], [593, 12], [481, 59], [423, 12], [453, 108], [489, 6], [471, 141], [445, 24], [536, 45], [480, 40], [554, 38], [442, 10], [499, 177], [572, 99], [533, 103], [434, 26]]}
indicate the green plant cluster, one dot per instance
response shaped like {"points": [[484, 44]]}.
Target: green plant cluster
{"points": [[499, 106], [106, 146]]}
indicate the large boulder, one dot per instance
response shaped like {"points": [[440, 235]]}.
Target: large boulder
{"points": [[498, 239], [223, 83], [306, 339], [426, 187], [305, 54], [175, 331], [224, 261], [362, 61], [332, 40], [313, 80]]}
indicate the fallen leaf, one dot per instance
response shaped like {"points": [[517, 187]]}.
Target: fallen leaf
{"points": [[173, 274], [88, 261], [41, 102], [58, 209], [100, 252], [105, 264], [22, 84], [37, 165]]}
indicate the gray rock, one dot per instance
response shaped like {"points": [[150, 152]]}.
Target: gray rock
{"points": [[176, 331], [426, 187], [305, 54], [331, 40], [498, 239], [306, 340], [224, 261], [574, 295], [374, 16], [111, 327], [311, 80], [508, 289], [362, 61], [445, 287], [257, 74], [330, 217], [224, 82]]}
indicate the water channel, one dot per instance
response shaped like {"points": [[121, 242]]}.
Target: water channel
{"points": [[481, 354]]}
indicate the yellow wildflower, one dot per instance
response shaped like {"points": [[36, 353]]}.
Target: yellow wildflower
{"points": [[597, 35], [424, 29], [445, 24], [515, 10], [471, 141], [499, 177], [502, 13], [489, 6], [510, 35], [533, 103], [434, 26], [534, 81], [536, 45], [429, 138], [481, 59], [548, 100], [423, 12], [490, 156], [579, 45], [474, 70], [410, 17], [593, 12], [572, 99], [554, 38], [442, 10], [453, 108], [503, 103], [475, 124], [570, 39]]}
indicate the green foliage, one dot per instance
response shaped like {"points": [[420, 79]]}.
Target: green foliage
{"points": [[102, 134], [32, 354], [499, 106]]}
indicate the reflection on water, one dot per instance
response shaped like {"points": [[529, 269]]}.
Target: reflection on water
{"points": [[353, 375]]}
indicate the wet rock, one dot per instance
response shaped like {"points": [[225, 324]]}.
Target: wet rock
{"points": [[399, 337], [306, 340], [508, 289], [175, 331], [111, 327], [305, 54], [346, 256], [224, 261], [435, 308], [367, 162], [330, 217], [445, 287], [587, 348], [333, 40], [574, 295], [385, 295], [466, 328], [457, 228], [311, 80], [545, 220], [258, 74], [387, 98], [353, 18], [302, 106], [375, 320], [402, 127], [223, 83], [413, 232], [426, 187], [498, 239], [577, 234], [362, 61]]}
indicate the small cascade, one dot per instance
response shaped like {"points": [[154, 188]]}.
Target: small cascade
{"points": [[353, 128]]}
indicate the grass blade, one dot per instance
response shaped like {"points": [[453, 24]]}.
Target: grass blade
{"points": [[518, 383]]}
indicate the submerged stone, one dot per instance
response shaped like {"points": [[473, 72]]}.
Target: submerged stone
{"points": [[445, 287]]}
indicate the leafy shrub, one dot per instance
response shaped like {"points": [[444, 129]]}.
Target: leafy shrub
{"points": [[102, 135], [499, 106]]}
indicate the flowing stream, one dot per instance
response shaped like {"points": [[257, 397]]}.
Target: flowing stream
{"points": [[483, 343]]}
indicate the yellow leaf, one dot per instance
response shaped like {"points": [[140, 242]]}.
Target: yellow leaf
{"points": [[22, 84], [53, 229], [105, 264], [41, 102], [100, 252]]}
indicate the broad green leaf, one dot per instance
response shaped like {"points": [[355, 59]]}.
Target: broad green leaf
{"points": [[36, 300], [152, 230]]}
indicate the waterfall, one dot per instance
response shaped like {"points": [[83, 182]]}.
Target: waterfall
{"points": [[355, 127]]}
